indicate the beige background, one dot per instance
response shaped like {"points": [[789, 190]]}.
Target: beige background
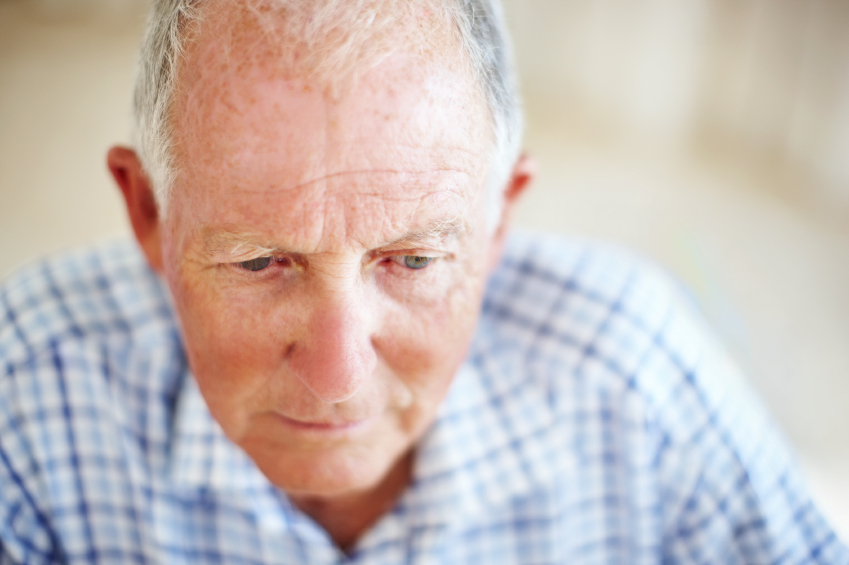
{"points": [[710, 135]]}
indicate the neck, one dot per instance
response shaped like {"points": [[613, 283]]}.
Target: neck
{"points": [[348, 516]]}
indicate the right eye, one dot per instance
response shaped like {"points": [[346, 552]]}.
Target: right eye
{"points": [[257, 264]]}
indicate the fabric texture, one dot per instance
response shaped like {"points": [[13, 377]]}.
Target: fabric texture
{"points": [[594, 421]]}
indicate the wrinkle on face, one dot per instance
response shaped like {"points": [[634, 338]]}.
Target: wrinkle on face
{"points": [[230, 246], [209, 94], [357, 222], [342, 184]]}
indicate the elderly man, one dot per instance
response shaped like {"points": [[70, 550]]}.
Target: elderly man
{"points": [[320, 354]]}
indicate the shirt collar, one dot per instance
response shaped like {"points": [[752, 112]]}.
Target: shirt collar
{"points": [[491, 443], [203, 456]]}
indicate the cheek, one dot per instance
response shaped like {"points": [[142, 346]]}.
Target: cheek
{"points": [[425, 340], [232, 340]]}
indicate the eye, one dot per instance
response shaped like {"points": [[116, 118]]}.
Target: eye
{"points": [[417, 262], [257, 264]]}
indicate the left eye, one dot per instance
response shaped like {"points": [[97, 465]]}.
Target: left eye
{"points": [[417, 262]]}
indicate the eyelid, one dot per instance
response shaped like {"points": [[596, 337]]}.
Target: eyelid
{"points": [[424, 251], [400, 261], [276, 261], [234, 259], [396, 255], [293, 258]]}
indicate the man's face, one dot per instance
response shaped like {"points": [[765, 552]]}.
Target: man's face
{"points": [[326, 255]]}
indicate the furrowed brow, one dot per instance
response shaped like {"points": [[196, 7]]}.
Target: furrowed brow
{"points": [[439, 230], [237, 247], [234, 247]]}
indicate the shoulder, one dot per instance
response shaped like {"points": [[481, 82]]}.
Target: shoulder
{"points": [[595, 310], [87, 340], [80, 332], [80, 328], [102, 291], [644, 392], [574, 314], [89, 361]]}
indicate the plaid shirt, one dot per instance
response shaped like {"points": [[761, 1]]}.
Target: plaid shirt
{"points": [[595, 421]]}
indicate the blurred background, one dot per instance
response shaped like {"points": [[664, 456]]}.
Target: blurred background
{"points": [[709, 135]]}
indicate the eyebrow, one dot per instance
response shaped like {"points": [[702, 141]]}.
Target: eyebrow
{"points": [[238, 245], [440, 229]]}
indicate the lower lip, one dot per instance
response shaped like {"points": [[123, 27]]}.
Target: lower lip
{"points": [[327, 429]]}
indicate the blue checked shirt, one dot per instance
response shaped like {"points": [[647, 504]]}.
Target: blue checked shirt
{"points": [[595, 421]]}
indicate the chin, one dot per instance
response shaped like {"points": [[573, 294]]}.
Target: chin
{"points": [[326, 475]]}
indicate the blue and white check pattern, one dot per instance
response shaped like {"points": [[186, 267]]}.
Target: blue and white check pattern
{"points": [[594, 422]]}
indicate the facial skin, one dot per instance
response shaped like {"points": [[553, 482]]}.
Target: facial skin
{"points": [[363, 214]]}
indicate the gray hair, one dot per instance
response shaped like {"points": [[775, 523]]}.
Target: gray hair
{"points": [[482, 32]]}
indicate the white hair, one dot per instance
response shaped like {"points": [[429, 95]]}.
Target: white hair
{"points": [[479, 25]]}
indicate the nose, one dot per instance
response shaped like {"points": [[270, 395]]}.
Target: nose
{"points": [[335, 356]]}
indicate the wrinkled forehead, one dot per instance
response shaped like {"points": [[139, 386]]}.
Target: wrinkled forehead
{"points": [[258, 120], [259, 77]]}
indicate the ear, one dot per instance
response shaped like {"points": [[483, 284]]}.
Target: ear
{"points": [[138, 194], [520, 179]]}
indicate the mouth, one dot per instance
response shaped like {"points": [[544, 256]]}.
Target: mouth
{"points": [[326, 426]]}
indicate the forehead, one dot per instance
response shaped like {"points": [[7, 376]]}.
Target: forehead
{"points": [[409, 126]]}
